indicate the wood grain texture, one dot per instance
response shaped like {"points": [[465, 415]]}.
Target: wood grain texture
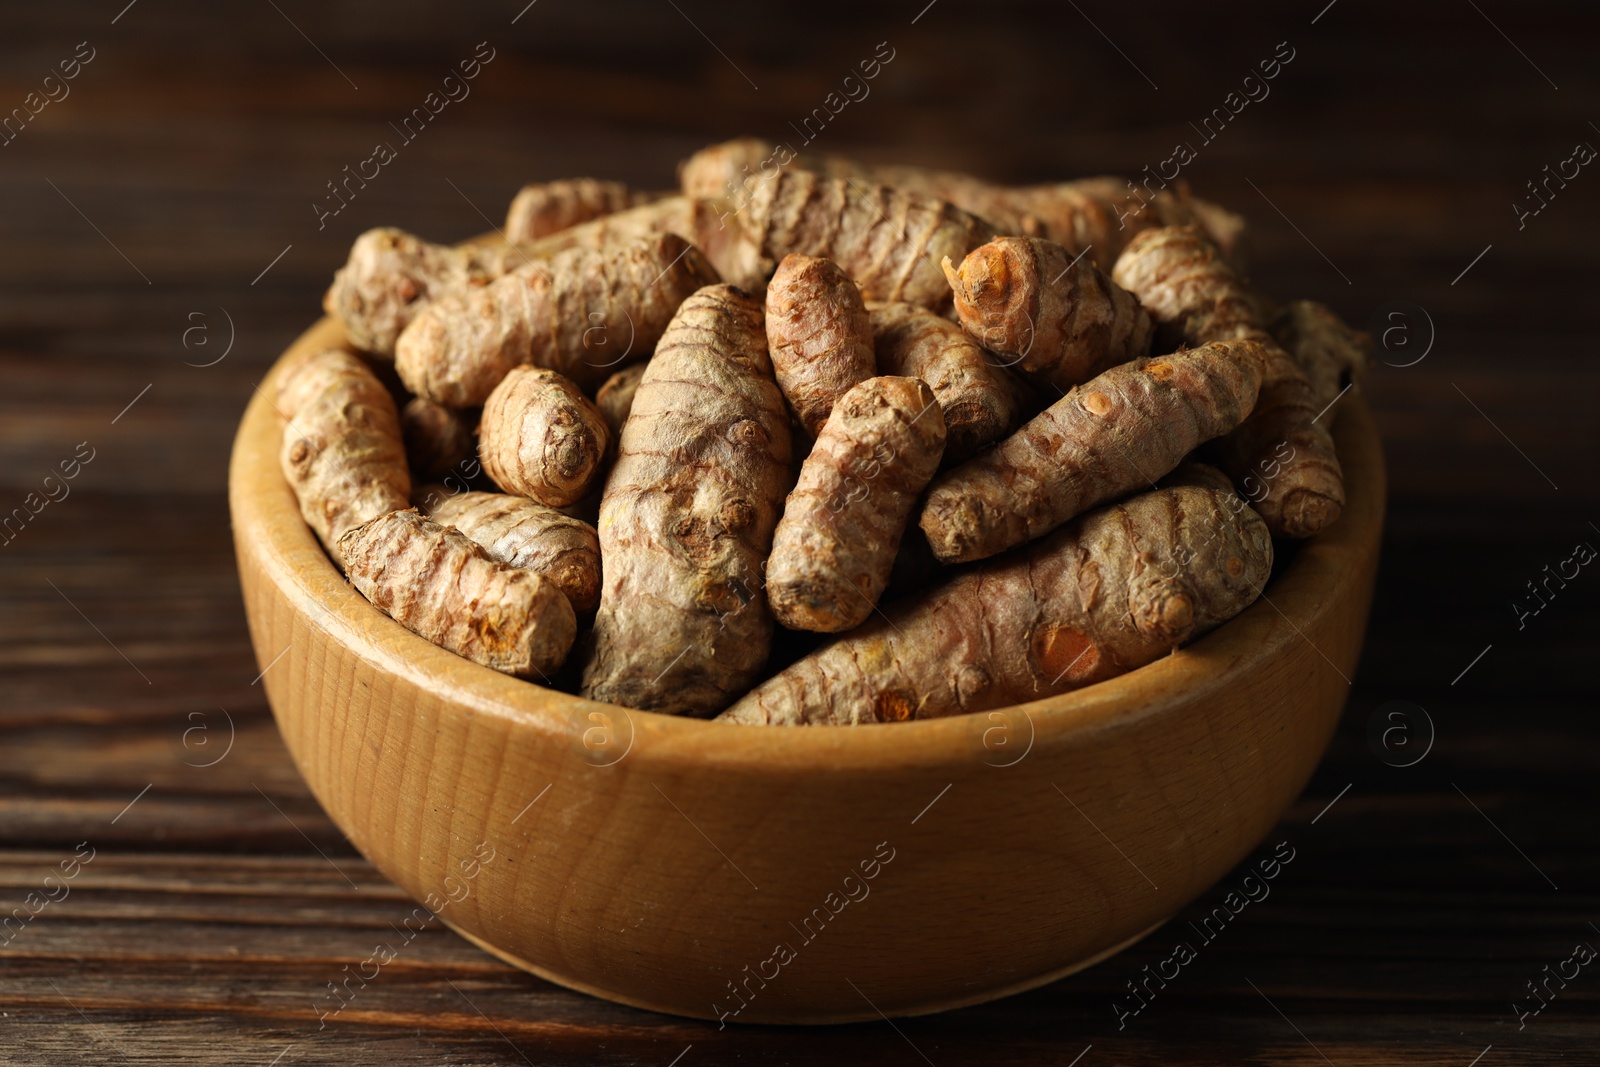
{"points": [[197, 141]]}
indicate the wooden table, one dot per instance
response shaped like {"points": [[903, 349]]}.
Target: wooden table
{"points": [[162, 246]]}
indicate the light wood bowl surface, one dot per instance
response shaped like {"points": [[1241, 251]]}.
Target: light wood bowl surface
{"points": [[662, 862]]}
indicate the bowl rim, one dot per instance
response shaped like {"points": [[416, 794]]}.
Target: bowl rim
{"points": [[268, 524]]}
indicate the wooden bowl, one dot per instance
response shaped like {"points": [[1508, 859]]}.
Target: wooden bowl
{"points": [[810, 875]]}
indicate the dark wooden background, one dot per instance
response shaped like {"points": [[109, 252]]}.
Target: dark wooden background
{"points": [[172, 191]]}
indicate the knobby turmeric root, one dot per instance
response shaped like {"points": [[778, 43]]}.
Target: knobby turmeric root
{"points": [[888, 240], [541, 209], [1115, 590], [1197, 473], [541, 438], [436, 582], [730, 169], [438, 439], [709, 225], [615, 397], [1107, 437], [819, 336], [342, 452], [981, 400], [581, 313], [688, 514], [1092, 215], [1282, 457], [525, 533], [1330, 353], [840, 531], [391, 275], [1053, 316]]}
